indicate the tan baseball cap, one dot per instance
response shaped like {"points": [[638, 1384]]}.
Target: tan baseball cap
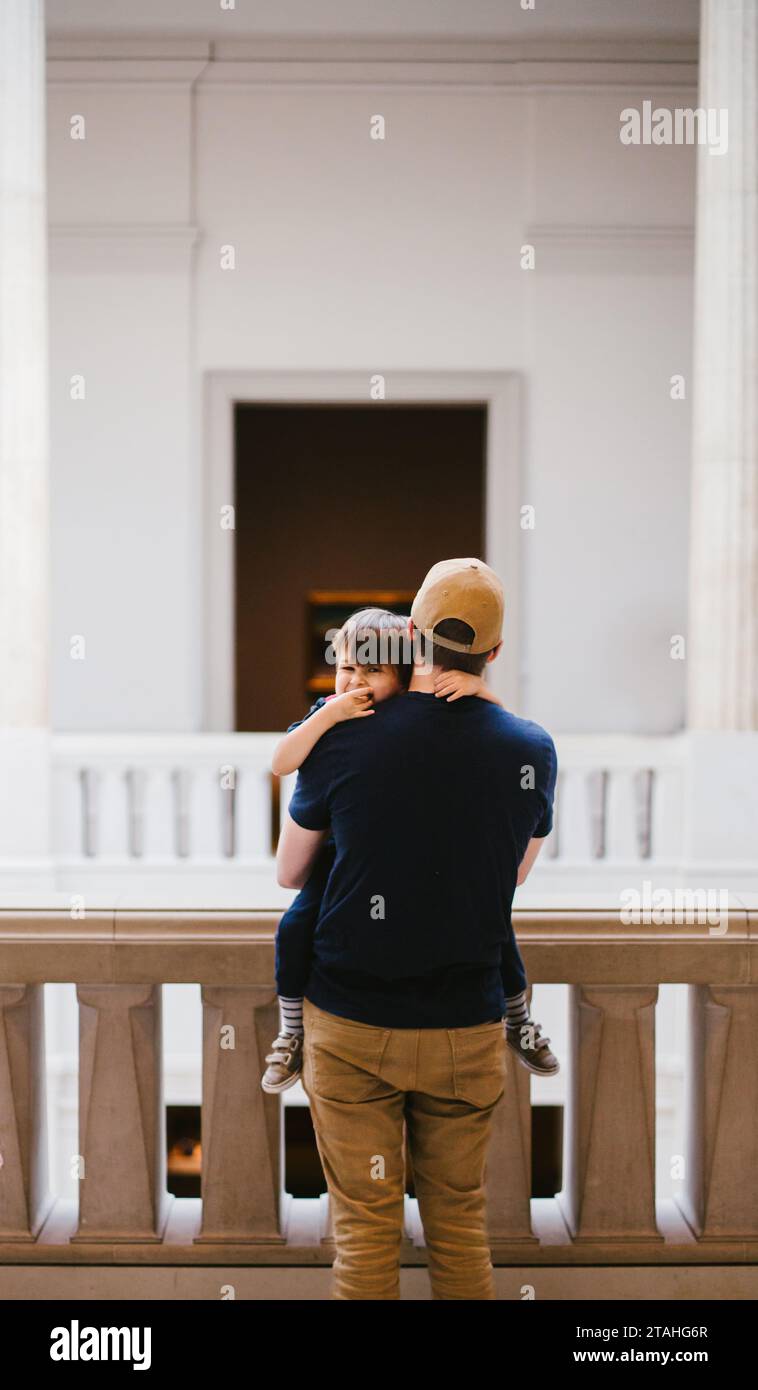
{"points": [[465, 589]]}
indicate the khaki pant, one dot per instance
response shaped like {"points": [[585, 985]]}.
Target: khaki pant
{"points": [[364, 1084]]}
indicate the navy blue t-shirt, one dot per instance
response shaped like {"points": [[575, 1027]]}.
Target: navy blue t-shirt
{"points": [[432, 806]]}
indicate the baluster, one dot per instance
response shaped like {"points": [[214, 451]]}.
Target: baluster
{"points": [[89, 783], [643, 808], [609, 1173], [24, 1198], [122, 1137], [720, 1197], [597, 793], [181, 780], [135, 791], [242, 1127], [228, 776]]}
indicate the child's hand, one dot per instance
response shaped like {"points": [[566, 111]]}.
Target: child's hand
{"points": [[353, 704], [452, 684]]}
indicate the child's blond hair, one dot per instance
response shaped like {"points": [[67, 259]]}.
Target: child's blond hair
{"points": [[376, 637]]}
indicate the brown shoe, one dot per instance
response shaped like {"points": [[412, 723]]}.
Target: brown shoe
{"points": [[285, 1063], [537, 1058]]}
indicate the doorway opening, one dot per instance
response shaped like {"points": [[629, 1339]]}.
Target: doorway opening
{"points": [[341, 504]]}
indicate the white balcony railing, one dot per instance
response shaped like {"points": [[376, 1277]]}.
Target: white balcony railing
{"points": [[194, 805]]}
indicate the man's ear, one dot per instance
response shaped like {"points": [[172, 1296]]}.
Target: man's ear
{"points": [[491, 655]]}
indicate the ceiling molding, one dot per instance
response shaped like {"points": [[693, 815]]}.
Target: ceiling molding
{"points": [[642, 78], [682, 50], [244, 62]]}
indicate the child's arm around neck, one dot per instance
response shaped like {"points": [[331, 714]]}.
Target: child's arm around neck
{"points": [[451, 685], [292, 750]]}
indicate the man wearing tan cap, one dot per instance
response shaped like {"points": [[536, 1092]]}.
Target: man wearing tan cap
{"points": [[438, 808], [465, 592]]}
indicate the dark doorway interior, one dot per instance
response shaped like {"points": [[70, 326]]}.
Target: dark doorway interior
{"points": [[339, 497]]}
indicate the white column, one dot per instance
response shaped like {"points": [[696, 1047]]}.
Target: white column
{"points": [[24, 545], [723, 621]]}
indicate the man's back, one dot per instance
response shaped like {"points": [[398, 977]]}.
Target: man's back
{"points": [[432, 805]]}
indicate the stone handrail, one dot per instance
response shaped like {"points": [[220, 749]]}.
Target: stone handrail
{"points": [[606, 1211]]}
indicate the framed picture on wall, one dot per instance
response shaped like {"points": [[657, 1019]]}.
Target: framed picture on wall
{"points": [[328, 609]]}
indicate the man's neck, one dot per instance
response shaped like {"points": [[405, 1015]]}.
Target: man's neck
{"points": [[424, 681]]}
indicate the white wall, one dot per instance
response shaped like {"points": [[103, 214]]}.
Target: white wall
{"points": [[379, 256]]}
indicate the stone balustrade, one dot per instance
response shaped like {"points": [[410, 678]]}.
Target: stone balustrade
{"points": [[605, 1213]]}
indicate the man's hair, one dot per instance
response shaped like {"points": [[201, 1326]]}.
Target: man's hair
{"points": [[448, 660], [376, 637]]}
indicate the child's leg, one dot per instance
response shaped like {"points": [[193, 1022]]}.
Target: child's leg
{"points": [[516, 1009], [523, 1034], [291, 1013], [294, 944], [514, 983], [293, 951]]}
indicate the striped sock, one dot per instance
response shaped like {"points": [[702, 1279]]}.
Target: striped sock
{"points": [[517, 1009], [291, 1011]]}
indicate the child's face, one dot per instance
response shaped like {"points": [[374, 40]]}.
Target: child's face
{"points": [[383, 680]]}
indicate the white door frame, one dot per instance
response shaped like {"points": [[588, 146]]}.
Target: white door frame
{"points": [[498, 391]]}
